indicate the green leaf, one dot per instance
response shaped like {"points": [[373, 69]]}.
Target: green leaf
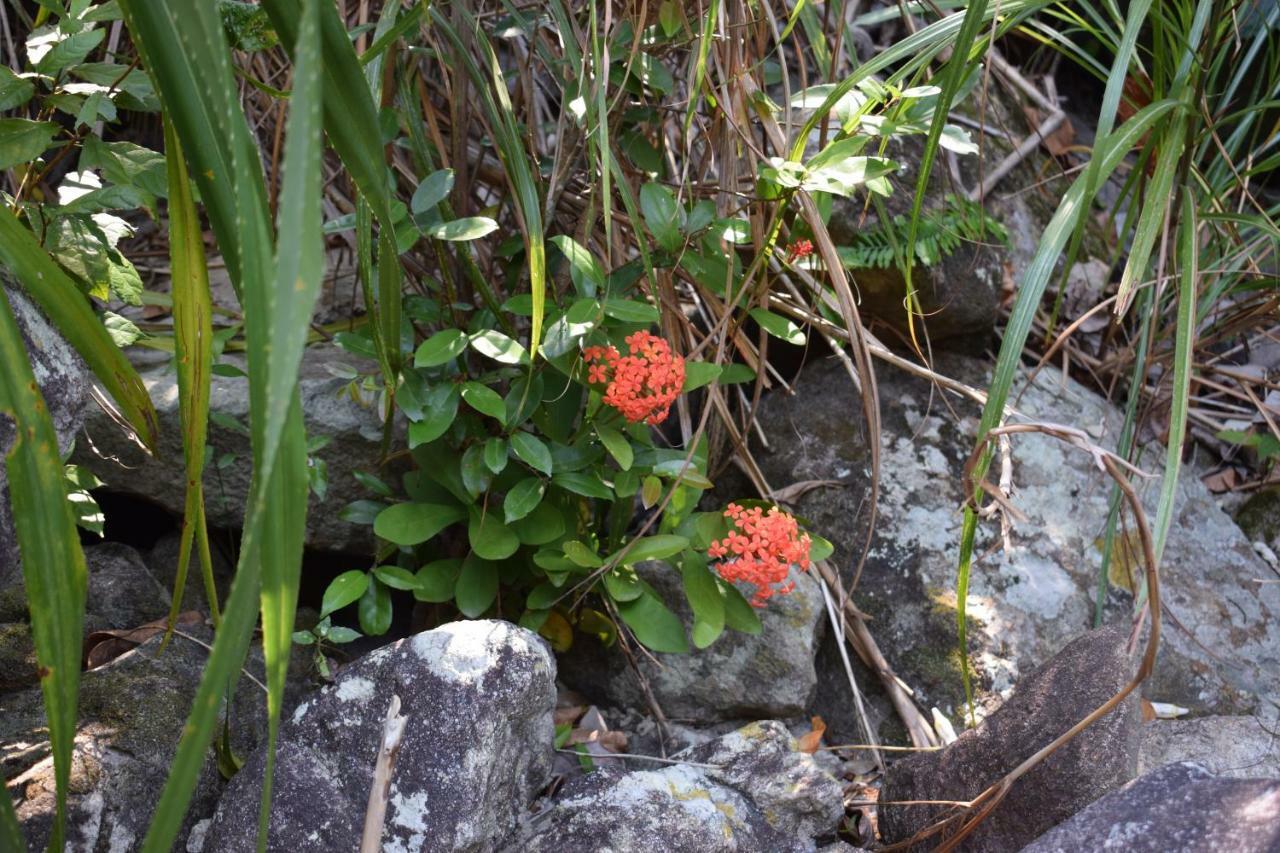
{"points": [[581, 483], [23, 140], [414, 523], [477, 586], [523, 498], [51, 50], [495, 454], [542, 596], [484, 400], [489, 537], [342, 590], [14, 90], [582, 555], [706, 600], [304, 638], [434, 189], [650, 491], [656, 547], [544, 524], [440, 348], [499, 347], [734, 373], [661, 215], [396, 577], [654, 625], [375, 609], [436, 580], [585, 272], [467, 228], [617, 445], [699, 373], [738, 613], [341, 634], [532, 451], [439, 408], [475, 474], [631, 312], [778, 326], [819, 548]]}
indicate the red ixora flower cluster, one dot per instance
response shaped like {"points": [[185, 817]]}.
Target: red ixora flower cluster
{"points": [[799, 249], [761, 550], [642, 385]]}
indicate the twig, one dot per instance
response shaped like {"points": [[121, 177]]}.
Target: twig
{"points": [[645, 758], [380, 791]]}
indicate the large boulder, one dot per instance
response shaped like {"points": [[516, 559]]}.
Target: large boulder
{"points": [[1024, 603], [64, 383], [122, 591], [1048, 702], [747, 791], [132, 713], [352, 428], [1239, 747], [477, 748], [1179, 808], [737, 677]]}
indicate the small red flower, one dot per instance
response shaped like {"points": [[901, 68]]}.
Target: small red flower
{"points": [[799, 249], [761, 548], [642, 385]]}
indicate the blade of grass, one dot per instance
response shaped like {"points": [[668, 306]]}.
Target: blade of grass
{"points": [[10, 831], [1112, 151], [60, 299], [193, 342], [53, 567]]}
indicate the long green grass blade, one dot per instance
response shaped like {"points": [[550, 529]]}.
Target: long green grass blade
{"points": [[1112, 151], [60, 299], [299, 269], [53, 567], [10, 831], [193, 344]]}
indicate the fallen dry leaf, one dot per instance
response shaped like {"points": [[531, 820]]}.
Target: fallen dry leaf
{"points": [[795, 491], [810, 741], [1058, 143], [102, 647]]}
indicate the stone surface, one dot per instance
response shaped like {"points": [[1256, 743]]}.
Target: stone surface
{"points": [[132, 713], [759, 794], [478, 698], [1239, 747], [1259, 517], [122, 591], [1025, 603], [64, 382], [1179, 808], [737, 677], [354, 432], [1045, 704], [17, 656]]}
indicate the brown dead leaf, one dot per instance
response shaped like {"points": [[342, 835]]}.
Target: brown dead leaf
{"points": [[810, 741], [1058, 143], [102, 647], [1222, 480], [795, 491]]}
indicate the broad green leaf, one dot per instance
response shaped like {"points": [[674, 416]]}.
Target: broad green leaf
{"points": [[342, 590], [440, 348], [53, 564], [396, 577], [51, 50], [584, 269], [14, 90], [631, 312], [495, 454], [23, 140], [532, 451], [617, 445], [699, 373], [476, 475], [543, 596], [778, 326], [656, 547], [477, 586], [468, 228], [489, 537], [654, 625], [582, 555], [543, 525], [650, 491], [484, 400], [439, 410], [581, 483], [340, 634], [375, 609], [738, 613], [523, 498], [706, 600], [436, 580], [661, 215], [499, 347], [434, 189], [414, 523], [819, 548]]}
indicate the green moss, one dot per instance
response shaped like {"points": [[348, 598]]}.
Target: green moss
{"points": [[1259, 516]]}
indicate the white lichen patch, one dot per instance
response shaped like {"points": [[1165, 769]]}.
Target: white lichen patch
{"points": [[463, 652], [355, 689], [300, 712]]}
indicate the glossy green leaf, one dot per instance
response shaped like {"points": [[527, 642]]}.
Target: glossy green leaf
{"points": [[484, 400], [434, 189], [653, 624], [706, 600], [477, 586], [499, 347], [343, 590], [738, 612], [23, 140], [469, 228], [582, 555], [532, 451], [489, 537], [628, 311], [440, 408], [440, 348], [523, 498], [375, 609], [436, 580], [699, 373], [543, 525], [495, 454], [617, 445], [581, 483], [584, 269], [778, 326], [476, 475], [656, 547], [396, 577], [414, 523]]}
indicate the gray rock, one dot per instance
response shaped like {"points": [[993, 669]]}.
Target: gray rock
{"points": [[122, 591], [1045, 704], [64, 383], [17, 656], [477, 748], [737, 677], [1024, 603], [132, 713], [1179, 808], [354, 430], [761, 795], [1259, 517], [1238, 747]]}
